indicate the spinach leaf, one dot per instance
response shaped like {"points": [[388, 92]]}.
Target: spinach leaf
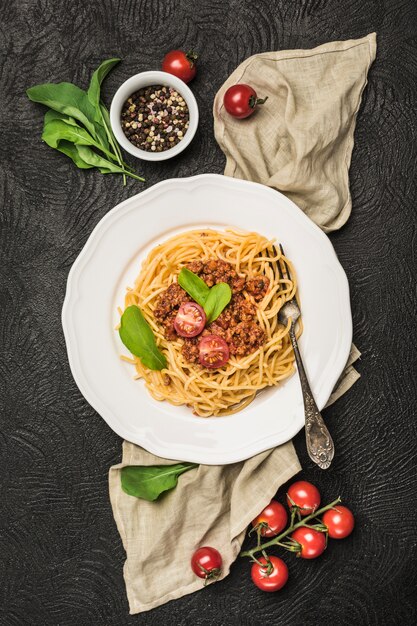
{"points": [[78, 121], [68, 99], [194, 286], [93, 95], [139, 339], [71, 150], [112, 139], [57, 130], [51, 116], [148, 482], [97, 78], [218, 298], [106, 167], [212, 300]]}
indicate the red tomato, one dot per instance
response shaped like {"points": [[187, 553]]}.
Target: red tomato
{"points": [[241, 100], [275, 516], [313, 542], [190, 320], [272, 581], [339, 521], [214, 351], [206, 562], [181, 64], [304, 495]]}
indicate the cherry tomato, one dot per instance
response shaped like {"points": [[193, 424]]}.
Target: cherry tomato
{"points": [[313, 542], [206, 563], [273, 581], [190, 320], [339, 521], [275, 516], [241, 100], [181, 64], [304, 495], [214, 351]]}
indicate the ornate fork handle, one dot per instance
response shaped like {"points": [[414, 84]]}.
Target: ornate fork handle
{"points": [[319, 442]]}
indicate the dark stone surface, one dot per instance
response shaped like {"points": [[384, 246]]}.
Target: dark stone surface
{"points": [[60, 554]]}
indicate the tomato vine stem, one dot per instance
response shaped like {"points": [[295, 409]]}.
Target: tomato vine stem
{"points": [[276, 541]]}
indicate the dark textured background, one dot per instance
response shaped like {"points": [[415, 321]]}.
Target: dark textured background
{"points": [[60, 554]]}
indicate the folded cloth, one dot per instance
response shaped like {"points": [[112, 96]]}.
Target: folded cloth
{"points": [[300, 143]]}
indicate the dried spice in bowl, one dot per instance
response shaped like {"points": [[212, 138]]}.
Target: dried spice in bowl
{"points": [[155, 118]]}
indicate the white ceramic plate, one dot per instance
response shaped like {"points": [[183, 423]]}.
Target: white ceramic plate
{"points": [[111, 260]]}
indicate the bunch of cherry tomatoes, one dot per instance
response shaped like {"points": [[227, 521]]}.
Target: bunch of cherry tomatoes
{"points": [[239, 100], [306, 537]]}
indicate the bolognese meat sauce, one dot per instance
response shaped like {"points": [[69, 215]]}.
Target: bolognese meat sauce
{"points": [[237, 324]]}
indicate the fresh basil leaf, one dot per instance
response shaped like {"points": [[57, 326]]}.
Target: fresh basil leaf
{"points": [[148, 482], [218, 298], [193, 285], [139, 339]]}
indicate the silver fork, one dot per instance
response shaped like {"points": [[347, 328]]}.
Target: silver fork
{"points": [[320, 446]]}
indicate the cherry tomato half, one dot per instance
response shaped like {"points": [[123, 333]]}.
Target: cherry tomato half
{"points": [[206, 562], [339, 521], [214, 351], [190, 320], [313, 542], [241, 100], [275, 516], [180, 64], [304, 495], [273, 581]]}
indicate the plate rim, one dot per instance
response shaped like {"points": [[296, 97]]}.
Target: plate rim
{"points": [[212, 456]]}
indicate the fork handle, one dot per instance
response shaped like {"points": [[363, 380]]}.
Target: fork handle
{"points": [[320, 446]]}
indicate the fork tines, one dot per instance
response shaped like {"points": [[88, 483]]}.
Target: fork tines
{"points": [[284, 274]]}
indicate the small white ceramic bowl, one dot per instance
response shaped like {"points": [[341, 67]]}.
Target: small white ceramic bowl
{"points": [[144, 79]]}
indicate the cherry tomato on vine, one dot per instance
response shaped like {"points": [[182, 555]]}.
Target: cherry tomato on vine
{"points": [[272, 577], [213, 351], [313, 542], [190, 320], [339, 521], [180, 64], [206, 563], [305, 496], [273, 519], [241, 100]]}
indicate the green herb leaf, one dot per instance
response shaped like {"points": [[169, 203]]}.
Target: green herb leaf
{"points": [[148, 482], [139, 339], [68, 148], [194, 286], [97, 78], [93, 95], [218, 298], [56, 130], [106, 167], [71, 106], [68, 99], [213, 300], [51, 116], [112, 138]]}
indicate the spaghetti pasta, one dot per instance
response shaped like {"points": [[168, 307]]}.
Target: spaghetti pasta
{"points": [[227, 389]]}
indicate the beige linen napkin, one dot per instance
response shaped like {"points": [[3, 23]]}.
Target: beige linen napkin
{"points": [[300, 143]]}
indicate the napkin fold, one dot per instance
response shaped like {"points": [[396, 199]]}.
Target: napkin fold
{"points": [[300, 142]]}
